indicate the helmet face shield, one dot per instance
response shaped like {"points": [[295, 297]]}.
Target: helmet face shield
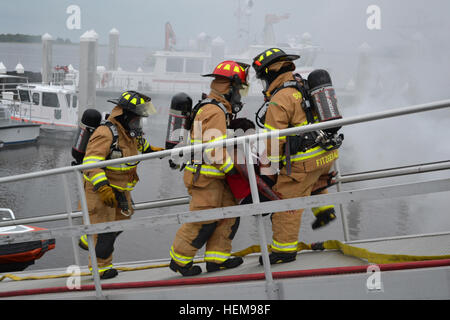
{"points": [[146, 109], [243, 91]]}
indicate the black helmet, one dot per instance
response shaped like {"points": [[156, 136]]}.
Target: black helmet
{"points": [[268, 57], [182, 103], [136, 103]]}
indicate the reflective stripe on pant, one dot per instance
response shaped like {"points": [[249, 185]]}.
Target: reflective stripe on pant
{"points": [[216, 234], [102, 269], [286, 224]]}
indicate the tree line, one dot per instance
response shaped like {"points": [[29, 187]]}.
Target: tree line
{"points": [[26, 38]]}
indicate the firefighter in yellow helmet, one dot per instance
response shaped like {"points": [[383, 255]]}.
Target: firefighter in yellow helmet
{"points": [[108, 189], [302, 169], [205, 178]]}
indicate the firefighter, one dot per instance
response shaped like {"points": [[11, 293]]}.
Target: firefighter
{"points": [[300, 169], [108, 189], [205, 178]]}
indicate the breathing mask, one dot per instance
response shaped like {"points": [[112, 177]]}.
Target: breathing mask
{"points": [[135, 126], [237, 91]]}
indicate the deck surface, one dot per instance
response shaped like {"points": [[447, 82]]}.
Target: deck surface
{"points": [[306, 260]]}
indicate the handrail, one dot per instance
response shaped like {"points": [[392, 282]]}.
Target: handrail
{"points": [[235, 211], [349, 178], [63, 216], [238, 140], [367, 194]]}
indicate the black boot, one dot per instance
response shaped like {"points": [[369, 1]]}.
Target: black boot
{"points": [[187, 270], [108, 274], [323, 218], [228, 264], [279, 257], [82, 243]]}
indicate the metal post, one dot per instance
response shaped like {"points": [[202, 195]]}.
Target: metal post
{"points": [[88, 72], [90, 238], [270, 285], [76, 251], [113, 48], [341, 207], [47, 55]]}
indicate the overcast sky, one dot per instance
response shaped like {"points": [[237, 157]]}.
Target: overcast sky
{"points": [[141, 22]]}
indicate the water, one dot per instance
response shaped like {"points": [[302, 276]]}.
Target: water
{"points": [[382, 144]]}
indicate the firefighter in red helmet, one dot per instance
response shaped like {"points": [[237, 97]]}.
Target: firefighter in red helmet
{"points": [[205, 178]]}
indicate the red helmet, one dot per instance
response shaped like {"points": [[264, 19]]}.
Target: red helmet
{"points": [[231, 70]]}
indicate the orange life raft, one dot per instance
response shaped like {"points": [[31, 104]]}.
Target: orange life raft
{"points": [[18, 256]]}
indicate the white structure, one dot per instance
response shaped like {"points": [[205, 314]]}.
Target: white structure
{"points": [[88, 70], [55, 107], [47, 57], [13, 132], [113, 49], [20, 69]]}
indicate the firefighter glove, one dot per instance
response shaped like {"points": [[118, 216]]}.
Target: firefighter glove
{"points": [[155, 149], [107, 195]]}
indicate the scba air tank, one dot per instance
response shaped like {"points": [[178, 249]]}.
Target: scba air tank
{"points": [[323, 96], [90, 120], [180, 110]]}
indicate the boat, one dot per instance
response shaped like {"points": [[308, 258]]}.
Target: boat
{"points": [[18, 256], [13, 132], [179, 70], [53, 106]]}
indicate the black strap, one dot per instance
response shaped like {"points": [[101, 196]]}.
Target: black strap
{"points": [[215, 102], [115, 133], [306, 106], [288, 84], [113, 129], [200, 104]]}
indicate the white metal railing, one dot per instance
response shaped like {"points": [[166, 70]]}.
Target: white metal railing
{"points": [[13, 99], [349, 178], [255, 208]]}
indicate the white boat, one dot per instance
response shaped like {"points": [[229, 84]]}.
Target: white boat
{"points": [[54, 106], [13, 132], [17, 133], [176, 71]]}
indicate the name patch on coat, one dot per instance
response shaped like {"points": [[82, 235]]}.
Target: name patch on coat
{"points": [[328, 158]]}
